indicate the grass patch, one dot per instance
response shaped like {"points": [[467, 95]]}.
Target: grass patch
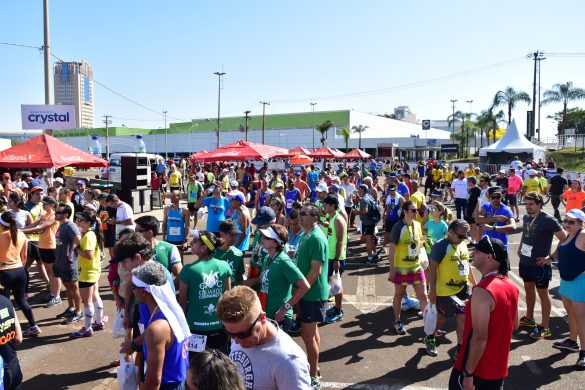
{"points": [[568, 159]]}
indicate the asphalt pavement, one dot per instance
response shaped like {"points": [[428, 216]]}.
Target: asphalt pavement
{"points": [[360, 352]]}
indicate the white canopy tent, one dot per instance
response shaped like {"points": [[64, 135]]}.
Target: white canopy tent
{"points": [[513, 143]]}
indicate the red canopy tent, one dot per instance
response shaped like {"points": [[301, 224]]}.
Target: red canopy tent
{"points": [[299, 150], [45, 151], [356, 154], [197, 155], [301, 159], [242, 150], [325, 152]]}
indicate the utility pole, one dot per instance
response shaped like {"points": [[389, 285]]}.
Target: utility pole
{"points": [[166, 145], [313, 117], [453, 101], [47, 56], [263, 118], [537, 56], [247, 112], [219, 76], [467, 131], [107, 121]]}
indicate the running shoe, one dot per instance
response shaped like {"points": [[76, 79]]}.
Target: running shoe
{"points": [[335, 317], [32, 331], [540, 333], [54, 301], [69, 312], [431, 345], [410, 303], [329, 312], [319, 376], [399, 328], [567, 344], [74, 318], [581, 360], [95, 326], [83, 332], [440, 333], [295, 327], [47, 298], [527, 322], [315, 383]]}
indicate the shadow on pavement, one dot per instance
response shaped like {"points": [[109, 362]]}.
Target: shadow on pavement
{"points": [[66, 381]]}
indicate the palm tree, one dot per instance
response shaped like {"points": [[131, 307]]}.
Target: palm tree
{"points": [[345, 133], [563, 93], [458, 116], [323, 128], [359, 129], [488, 120], [510, 97]]}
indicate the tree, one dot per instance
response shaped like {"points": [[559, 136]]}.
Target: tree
{"points": [[510, 97], [345, 133], [574, 118], [563, 93], [359, 129], [488, 121], [458, 116], [323, 128]]}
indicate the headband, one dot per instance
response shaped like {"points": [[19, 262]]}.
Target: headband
{"points": [[207, 242], [3, 222]]}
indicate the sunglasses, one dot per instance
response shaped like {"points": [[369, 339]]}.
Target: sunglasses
{"points": [[461, 236], [569, 221], [413, 210], [495, 196], [247, 333]]}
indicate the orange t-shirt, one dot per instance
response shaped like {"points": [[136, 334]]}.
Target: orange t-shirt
{"points": [[574, 199], [47, 237], [9, 253]]}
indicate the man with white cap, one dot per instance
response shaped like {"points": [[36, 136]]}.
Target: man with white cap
{"points": [[166, 330], [175, 178], [531, 184]]}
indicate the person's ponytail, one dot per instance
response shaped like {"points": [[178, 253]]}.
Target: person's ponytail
{"points": [[8, 218]]}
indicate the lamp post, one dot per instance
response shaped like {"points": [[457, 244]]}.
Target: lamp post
{"points": [[219, 76], [313, 117], [247, 113], [453, 101], [190, 130], [264, 104], [47, 56], [166, 145], [107, 122], [469, 101]]}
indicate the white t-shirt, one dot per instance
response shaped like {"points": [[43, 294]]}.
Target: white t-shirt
{"points": [[483, 198], [460, 187], [277, 364], [123, 212], [349, 189], [515, 164]]}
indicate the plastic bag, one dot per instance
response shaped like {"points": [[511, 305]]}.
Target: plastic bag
{"points": [[430, 318], [335, 283], [423, 258], [127, 373], [118, 331]]}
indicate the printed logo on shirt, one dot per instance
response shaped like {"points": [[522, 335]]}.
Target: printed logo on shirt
{"points": [[244, 365], [4, 313], [211, 286], [265, 282], [210, 309]]}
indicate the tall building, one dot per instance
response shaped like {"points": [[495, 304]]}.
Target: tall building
{"points": [[74, 86], [403, 113]]}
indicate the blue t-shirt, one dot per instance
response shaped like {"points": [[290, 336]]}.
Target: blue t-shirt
{"points": [[373, 166], [492, 212], [216, 212], [313, 178], [402, 189], [436, 231]]}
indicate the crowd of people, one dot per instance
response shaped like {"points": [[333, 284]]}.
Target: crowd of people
{"points": [[269, 261]]}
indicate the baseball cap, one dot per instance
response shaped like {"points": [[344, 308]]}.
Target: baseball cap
{"points": [[494, 191], [502, 171], [334, 187], [278, 185], [576, 213], [49, 200], [80, 182], [229, 227], [497, 249], [270, 233], [264, 216], [234, 183], [331, 199], [364, 188], [35, 189], [58, 180], [85, 216], [321, 188], [90, 206], [237, 195]]}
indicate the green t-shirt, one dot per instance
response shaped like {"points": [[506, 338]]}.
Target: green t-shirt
{"points": [[163, 252], [235, 259], [313, 246], [206, 280], [276, 282]]}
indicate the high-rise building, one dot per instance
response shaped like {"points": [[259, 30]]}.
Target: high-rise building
{"points": [[74, 86], [403, 113]]}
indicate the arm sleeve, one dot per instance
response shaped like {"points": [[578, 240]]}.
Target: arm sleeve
{"points": [[395, 233], [291, 271], [207, 201], [175, 256], [319, 250], [439, 250]]}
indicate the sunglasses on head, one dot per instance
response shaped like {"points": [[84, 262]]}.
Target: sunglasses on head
{"points": [[489, 241], [247, 333], [570, 221]]}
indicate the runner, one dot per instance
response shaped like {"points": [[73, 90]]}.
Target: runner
{"points": [[514, 186], [175, 179], [264, 195], [367, 206], [241, 215], [392, 207], [176, 221], [496, 219], [11, 332], [291, 195], [124, 213], [228, 232], [217, 207], [459, 193], [558, 185], [473, 200], [573, 198], [213, 370], [194, 192]]}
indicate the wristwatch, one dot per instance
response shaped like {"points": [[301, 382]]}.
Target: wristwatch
{"points": [[287, 306], [467, 374]]}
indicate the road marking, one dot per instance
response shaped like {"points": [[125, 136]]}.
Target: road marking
{"points": [[531, 364], [367, 386], [558, 311], [366, 299]]}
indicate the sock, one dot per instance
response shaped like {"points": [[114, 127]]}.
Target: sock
{"points": [[88, 316], [98, 306]]}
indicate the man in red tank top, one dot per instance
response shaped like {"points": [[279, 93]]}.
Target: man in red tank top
{"points": [[490, 317]]}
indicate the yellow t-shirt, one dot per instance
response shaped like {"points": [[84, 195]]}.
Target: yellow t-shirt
{"points": [[453, 269], [175, 179], [89, 269], [406, 257], [449, 177], [469, 172], [437, 175], [532, 184], [543, 182]]}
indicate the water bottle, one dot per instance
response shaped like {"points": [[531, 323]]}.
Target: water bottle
{"points": [[96, 147], [140, 146]]}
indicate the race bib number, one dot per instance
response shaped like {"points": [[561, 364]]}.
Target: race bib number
{"points": [[463, 269], [413, 252], [196, 343], [175, 231], [526, 250]]}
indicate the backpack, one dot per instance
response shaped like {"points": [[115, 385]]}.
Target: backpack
{"points": [[373, 210]]}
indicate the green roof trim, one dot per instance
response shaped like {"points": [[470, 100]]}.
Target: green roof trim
{"points": [[275, 121]]}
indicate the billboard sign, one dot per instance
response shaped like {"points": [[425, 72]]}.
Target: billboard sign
{"points": [[44, 117], [449, 148], [426, 124]]}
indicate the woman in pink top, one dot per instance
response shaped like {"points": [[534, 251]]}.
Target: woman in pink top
{"points": [[573, 198]]}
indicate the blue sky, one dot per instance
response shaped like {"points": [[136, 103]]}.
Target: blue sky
{"points": [[163, 55]]}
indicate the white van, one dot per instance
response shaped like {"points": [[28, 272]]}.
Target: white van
{"points": [[115, 168]]}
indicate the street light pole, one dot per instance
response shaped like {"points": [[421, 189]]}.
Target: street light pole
{"points": [[219, 76], [263, 118], [47, 56], [166, 145], [313, 117], [107, 121], [469, 101], [453, 101], [247, 112]]}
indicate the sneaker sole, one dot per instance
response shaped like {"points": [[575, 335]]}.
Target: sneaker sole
{"points": [[563, 348]]}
